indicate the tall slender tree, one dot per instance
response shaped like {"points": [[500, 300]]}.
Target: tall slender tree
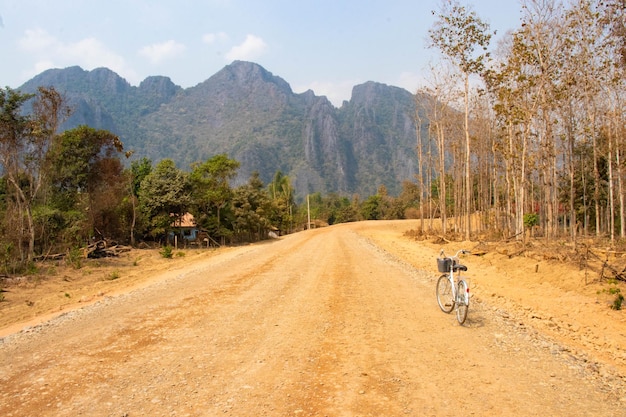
{"points": [[463, 38]]}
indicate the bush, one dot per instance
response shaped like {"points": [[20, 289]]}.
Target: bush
{"points": [[617, 302], [531, 220], [113, 276], [167, 252], [75, 258]]}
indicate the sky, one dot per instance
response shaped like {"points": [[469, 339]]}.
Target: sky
{"points": [[327, 46]]}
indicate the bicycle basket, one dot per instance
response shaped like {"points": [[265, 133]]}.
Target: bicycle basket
{"points": [[444, 264]]}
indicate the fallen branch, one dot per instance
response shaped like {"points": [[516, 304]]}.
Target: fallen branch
{"points": [[621, 276], [101, 249]]}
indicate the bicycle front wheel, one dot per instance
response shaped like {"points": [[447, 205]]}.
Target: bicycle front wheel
{"points": [[444, 294], [462, 302]]}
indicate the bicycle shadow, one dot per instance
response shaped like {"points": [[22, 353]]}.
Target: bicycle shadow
{"points": [[476, 316]]}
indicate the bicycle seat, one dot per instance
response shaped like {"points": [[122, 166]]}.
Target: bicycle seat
{"points": [[459, 267]]}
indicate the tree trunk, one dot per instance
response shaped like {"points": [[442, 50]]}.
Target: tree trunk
{"points": [[468, 182]]}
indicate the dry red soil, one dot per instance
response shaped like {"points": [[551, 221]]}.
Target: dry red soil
{"points": [[339, 321]]}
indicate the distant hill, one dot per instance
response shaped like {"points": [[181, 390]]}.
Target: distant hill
{"points": [[254, 117]]}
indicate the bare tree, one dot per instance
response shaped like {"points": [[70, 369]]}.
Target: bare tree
{"points": [[437, 108], [463, 38]]}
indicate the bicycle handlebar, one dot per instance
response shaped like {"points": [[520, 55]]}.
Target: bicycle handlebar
{"points": [[456, 256]]}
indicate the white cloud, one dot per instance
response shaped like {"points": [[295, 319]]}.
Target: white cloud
{"points": [[336, 92], [251, 48], [410, 81], [159, 52], [41, 66], [92, 53], [36, 40], [211, 38], [89, 53]]}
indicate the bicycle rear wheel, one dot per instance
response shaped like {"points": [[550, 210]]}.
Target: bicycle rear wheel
{"points": [[462, 302], [444, 294]]}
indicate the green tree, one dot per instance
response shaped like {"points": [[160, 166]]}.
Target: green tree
{"points": [[251, 207], [409, 199], [85, 187], [164, 196], [24, 141], [139, 169], [282, 196], [212, 192], [371, 208]]}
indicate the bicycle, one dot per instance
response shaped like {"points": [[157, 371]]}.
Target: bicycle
{"points": [[451, 293]]}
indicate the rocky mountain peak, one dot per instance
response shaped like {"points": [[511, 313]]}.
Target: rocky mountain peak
{"points": [[254, 117]]}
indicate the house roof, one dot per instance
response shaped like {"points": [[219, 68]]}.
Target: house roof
{"points": [[186, 220]]}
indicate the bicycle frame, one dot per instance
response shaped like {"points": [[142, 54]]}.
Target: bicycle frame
{"points": [[458, 296]]}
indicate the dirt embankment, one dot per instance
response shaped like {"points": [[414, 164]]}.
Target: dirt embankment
{"points": [[340, 321]]}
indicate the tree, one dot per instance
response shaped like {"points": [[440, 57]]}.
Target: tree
{"points": [[437, 108], [14, 127], [139, 169], [458, 33], [282, 196], [85, 183], [24, 141], [164, 196], [371, 208], [212, 191], [251, 206]]}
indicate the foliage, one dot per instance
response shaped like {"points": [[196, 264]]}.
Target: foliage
{"points": [[457, 33], [167, 252], [113, 275], [251, 207], [87, 176], [619, 298], [24, 141], [372, 208], [282, 195], [531, 220], [6, 257], [165, 194], [75, 257], [139, 169], [211, 193]]}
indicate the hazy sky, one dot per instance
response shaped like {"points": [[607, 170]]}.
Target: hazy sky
{"points": [[327, 46]]}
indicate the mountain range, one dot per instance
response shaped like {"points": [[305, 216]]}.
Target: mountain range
{"points": [[254, 117]]}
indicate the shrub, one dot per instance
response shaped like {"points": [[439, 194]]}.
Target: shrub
{"points": [[531, 220], [617, 302], [113, 275], [75, 258], [167, 252]]}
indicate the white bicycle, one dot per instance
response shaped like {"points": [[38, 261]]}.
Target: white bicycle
{"points": [[452, 289]]}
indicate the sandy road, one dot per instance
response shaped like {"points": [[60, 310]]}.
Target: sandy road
{"points": [[322, 323]]}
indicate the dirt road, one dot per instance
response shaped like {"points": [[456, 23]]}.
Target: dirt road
{"points": [[321, 323]]}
